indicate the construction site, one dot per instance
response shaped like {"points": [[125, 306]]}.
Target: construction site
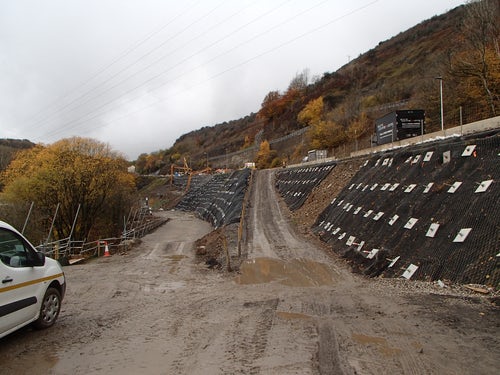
{"points": [[383, 263]]}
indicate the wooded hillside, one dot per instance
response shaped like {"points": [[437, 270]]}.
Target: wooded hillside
{"points": [[460, 47]]}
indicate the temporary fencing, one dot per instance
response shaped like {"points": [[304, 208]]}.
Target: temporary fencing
{"points": [[75, 249]]}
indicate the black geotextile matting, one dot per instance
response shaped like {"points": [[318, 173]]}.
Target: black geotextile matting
{"points": [[369, 221], [218, 200], [295, 184], [181, 181]]}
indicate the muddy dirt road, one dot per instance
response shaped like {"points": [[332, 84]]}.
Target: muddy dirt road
{"points": [[292, 309]]}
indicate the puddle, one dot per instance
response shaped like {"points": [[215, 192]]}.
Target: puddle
{"points": [[291, 316], [295, 273], [174, 262], [45, 361], [380, 342]]}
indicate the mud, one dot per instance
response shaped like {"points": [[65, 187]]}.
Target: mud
{"points": [[294, 308], [295, 273]]}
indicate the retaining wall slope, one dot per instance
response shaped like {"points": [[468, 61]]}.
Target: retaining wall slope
{"points": [[296, 184], [417, 212], [218, 199]]}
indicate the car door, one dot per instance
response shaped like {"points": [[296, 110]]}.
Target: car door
{"points": [[21, 287]]}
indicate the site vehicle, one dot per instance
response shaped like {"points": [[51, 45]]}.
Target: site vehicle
{"points": [[33, 285], [399, 125]]}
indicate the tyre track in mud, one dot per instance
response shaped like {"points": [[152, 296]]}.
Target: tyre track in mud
{"points": [[272, 236], [271, 233]]}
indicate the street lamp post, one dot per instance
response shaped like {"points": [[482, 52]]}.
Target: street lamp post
{"points": [[441, 101]]}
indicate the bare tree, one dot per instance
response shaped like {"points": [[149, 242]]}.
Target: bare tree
{"points": [[480, 57], [300, 81]]}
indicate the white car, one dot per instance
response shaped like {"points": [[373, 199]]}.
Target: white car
{"points": [[32, 287]]}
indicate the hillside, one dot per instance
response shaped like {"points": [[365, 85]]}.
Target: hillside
{"points": [[396, 74]]}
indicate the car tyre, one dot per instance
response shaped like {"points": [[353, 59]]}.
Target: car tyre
{"points": [[49, 310]]}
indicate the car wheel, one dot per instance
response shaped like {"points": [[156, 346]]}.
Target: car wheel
{"points": [[49, 311]]}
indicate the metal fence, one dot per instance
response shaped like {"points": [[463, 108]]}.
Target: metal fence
{"points": [[73, 249]]}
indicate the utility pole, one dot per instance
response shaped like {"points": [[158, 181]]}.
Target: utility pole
{"points": [[441, 101]]}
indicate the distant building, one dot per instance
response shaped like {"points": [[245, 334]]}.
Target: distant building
{"points": [[313, 155]]}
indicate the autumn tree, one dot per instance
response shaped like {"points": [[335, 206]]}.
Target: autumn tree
{"points": [[276, 103], [72, 173], [312, 112], [359, 127], [247, 142], [300, 81], [265, 156], [270, 106], [326, 134], [479, 57]]}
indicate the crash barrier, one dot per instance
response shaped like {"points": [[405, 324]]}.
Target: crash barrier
{"points": [[219, 200], [427, 212], [295, 184], [71, 249]]}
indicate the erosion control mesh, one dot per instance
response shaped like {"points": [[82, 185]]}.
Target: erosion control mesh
{"points": [[218, 200], [295, 184], [429, 213], [181, 181]]}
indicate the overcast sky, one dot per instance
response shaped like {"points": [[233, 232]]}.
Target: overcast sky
{"points": [[138, 74]]}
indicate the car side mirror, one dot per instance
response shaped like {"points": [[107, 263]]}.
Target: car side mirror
{"points": [[38, 260]]}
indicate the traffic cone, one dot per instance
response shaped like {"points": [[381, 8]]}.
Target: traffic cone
{"points": [[106, 250]]}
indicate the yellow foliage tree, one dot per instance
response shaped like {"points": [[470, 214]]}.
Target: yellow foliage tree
{"points": [[247, 143], [265, 155], [326, 135], [312, 112], [73, 172], [323, 133], [358, 127]]}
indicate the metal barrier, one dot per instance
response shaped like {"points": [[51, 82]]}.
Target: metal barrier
{"points": [[70, 249]]}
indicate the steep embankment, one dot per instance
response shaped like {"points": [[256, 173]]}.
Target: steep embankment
{"points": [[427, 212]]}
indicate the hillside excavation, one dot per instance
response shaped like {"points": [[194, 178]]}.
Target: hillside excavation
{"points": [[293, 308]]}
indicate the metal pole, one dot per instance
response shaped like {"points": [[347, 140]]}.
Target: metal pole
{"points": [[441, 98], [441, 102], [461, 122], [422, 129], [52, 225], [27, 217], [392, 136], [74, 222]]}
